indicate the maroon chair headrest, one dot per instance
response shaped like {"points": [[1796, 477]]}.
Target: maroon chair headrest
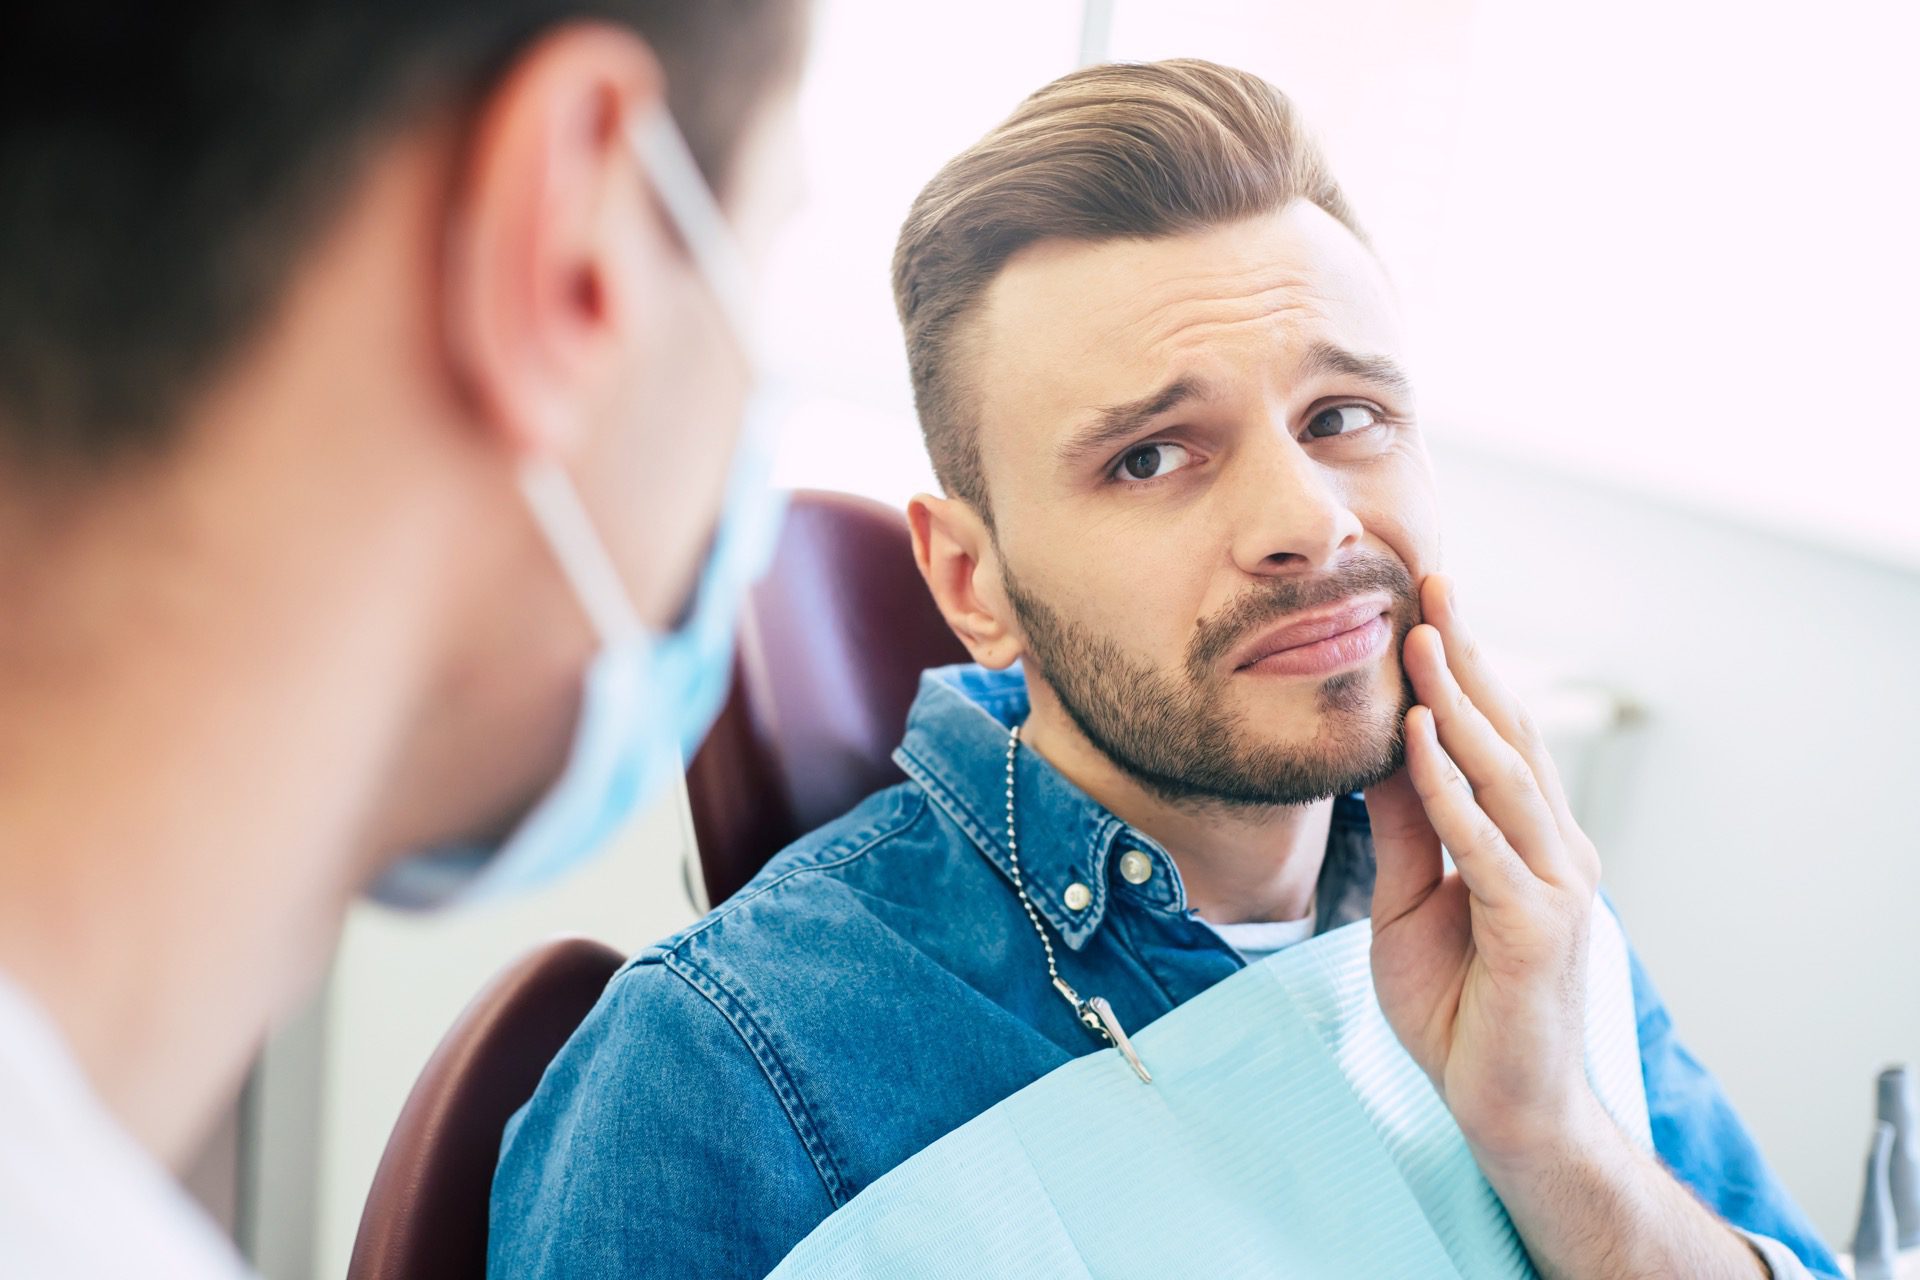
{"points": [[426, 1213], [831, 649]]}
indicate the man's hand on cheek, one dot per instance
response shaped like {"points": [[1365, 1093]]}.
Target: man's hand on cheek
{"points": [[1482, 973]]}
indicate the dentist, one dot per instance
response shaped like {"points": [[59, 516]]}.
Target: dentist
{"points": [[375, 501]]}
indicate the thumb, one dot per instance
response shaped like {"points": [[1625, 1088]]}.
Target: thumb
{"points": [[1406, 849]]}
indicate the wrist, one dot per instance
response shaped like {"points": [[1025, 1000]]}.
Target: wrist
{"points": [[1577, 1140], [1586, 1201]]}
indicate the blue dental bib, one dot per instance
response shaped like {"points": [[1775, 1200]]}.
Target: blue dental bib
{"points": [[1286, 1133]]}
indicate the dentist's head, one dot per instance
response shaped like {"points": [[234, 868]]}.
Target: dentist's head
{"points": [[374, 496]]}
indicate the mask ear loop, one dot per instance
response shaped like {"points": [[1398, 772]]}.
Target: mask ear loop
{"points": [[669, 165], [583, 557], [662, 151]]}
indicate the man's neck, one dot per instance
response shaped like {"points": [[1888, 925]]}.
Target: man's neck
{"points": [[1238, 864], [199, 699]]}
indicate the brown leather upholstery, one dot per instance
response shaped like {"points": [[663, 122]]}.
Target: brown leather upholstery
{"points": [[426, 1214], [831, 650]]}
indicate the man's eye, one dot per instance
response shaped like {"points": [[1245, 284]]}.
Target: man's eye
{"points": [[1342, 419], [1151, 461]]}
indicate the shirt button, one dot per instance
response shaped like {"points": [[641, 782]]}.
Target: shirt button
{"points": [[1078, 896], [1135, 867]]}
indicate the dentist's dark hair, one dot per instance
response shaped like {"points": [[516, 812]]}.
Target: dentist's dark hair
{"points": [[1123, 150], [164, 167]]}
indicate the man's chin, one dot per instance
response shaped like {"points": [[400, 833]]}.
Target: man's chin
{"points": [[1345, 735], [1323, 708]]}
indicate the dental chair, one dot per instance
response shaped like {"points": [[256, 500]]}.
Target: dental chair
{"points": [[426, 1213], [831, 649]]}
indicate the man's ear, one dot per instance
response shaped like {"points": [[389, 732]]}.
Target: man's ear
{"points": [[548, 235], [956, 555]]}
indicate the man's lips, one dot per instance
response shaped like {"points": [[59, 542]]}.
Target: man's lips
{"points": [[1321, 641]]}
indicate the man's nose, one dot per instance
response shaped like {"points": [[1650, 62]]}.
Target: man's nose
{"points": [[1290, 514]]}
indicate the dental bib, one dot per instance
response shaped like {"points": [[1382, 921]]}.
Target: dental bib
{"points": [[1286, 1133]]}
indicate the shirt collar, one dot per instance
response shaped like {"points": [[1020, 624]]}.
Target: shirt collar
{"points": [[956, 749]]}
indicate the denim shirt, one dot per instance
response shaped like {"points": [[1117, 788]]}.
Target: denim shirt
{"points": [[878, 985]]}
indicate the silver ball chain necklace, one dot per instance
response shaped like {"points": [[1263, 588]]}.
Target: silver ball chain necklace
{"points": [[1095, 1014]]}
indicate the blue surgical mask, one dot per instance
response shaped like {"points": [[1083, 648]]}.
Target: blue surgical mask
{"points": [[647, 699]]}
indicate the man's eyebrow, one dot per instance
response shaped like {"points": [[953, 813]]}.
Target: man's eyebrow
{"points": [[1117, 423], [1381, 371]]}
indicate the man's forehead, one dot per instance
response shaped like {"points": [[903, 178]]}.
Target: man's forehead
{"points": [[1067, 324]]}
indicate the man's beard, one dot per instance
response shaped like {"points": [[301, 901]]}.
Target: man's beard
{"points": [[1181, 739]]}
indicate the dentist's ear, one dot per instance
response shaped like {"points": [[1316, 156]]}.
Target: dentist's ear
{"points": [[547, 233], [956, 556]]}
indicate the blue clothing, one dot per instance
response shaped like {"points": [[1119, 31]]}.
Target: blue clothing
{"points": [[878, 984]]}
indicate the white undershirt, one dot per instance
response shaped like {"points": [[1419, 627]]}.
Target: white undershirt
{"points": [[1261, 938], [79, 1198]]}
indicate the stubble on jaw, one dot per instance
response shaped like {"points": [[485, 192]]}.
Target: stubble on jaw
{"points": [[1176, 734]]}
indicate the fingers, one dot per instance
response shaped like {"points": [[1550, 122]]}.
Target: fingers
{"points": [[1406, 849], [1502, 781], [1492, 870], [1485, 689]]}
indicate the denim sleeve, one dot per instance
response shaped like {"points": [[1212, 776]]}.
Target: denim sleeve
{"points": [[654, 1146], [1698, 1135]]}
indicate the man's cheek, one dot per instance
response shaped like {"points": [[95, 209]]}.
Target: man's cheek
{"points": [[1417, 548], [1401, 511], [1142, 609]]}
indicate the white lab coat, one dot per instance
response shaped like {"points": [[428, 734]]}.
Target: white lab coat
{"points": [[79, 1198]]}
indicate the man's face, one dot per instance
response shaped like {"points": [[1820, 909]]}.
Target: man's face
{"points": [[1211, 504]]}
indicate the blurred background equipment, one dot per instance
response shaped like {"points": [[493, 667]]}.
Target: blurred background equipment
{"points": [[1886, 1243], [1873, 1240]]}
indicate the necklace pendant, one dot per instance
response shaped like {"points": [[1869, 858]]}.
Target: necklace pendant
{"points": [[1097, 1016], [1110, 1027]]}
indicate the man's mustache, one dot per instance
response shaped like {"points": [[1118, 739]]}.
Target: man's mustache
{"points": [[1275, 599]]}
